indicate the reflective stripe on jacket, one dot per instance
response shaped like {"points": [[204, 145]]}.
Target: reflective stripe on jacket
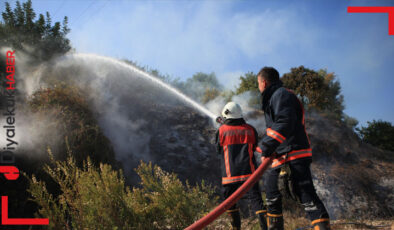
{"points": [[236, 142], [285, 121]]}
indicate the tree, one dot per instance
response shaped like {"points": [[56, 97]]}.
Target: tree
{"points": [[334, 98], [209, 95], [19, 30], [317, 90], [249, 84], [350, 122], [379, 133], [201, 84], [204, 79]]}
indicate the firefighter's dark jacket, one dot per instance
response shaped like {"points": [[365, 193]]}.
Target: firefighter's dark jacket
{"points": [[285, 121], [236, 142]]}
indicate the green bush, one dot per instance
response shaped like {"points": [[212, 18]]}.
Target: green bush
{"points": [[249, 84], [209, 95], [378, 133], [73, 118], [97, 198]]}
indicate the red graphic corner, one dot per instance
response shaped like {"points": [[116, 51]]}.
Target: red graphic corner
{"points": [[376, 9], [5, 220]]}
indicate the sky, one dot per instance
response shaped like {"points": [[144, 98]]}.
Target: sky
{"points": [[230, 38]]}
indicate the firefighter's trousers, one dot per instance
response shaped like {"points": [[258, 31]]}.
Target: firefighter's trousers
{"points": [[303, 187]]}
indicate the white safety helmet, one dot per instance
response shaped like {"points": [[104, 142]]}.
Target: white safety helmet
{"points": [[232, 111]]}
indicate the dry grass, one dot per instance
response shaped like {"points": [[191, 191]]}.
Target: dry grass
{"points": [[293, 222], [363, 224]]}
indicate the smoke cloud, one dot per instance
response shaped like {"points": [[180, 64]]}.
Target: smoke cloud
{"points": [[31, 130], [251, 115], [129, 106]]}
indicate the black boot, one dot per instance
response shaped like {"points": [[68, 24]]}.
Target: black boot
{"points": [[235, 219], [262, 215], [321, 224], [275, 221]]}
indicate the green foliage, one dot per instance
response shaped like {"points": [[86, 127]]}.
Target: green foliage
{"points": [[350, 122], [163, 201], [19, 30], [91, 198], [209, 95], [199, 84], [249, 84], [379, 133], [334, 98], [227, 95], [204, 79], [97, 198], [317, 90]]}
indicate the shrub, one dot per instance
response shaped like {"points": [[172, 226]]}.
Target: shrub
{"points": [[72, 118], [97, 198], [378, 133]]}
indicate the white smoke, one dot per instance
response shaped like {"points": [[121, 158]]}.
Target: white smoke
{"points": [[216, 105], [256, 120], [30, 129], [115, 92]]}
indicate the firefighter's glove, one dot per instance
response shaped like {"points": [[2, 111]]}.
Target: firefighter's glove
{"points": [[263, 153], [220, 120]]}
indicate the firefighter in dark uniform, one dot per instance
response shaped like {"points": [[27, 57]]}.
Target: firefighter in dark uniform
{"points": [[286, 137], [236, 142]]}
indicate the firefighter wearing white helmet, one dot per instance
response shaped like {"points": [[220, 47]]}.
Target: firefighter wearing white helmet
{"points": [[232, 111], [236, 141]]}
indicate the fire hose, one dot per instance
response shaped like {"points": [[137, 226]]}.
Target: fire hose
{"points": [[220, 209]]}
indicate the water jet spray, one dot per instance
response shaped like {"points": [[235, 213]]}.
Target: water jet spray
{"points": [[148, 76]]}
